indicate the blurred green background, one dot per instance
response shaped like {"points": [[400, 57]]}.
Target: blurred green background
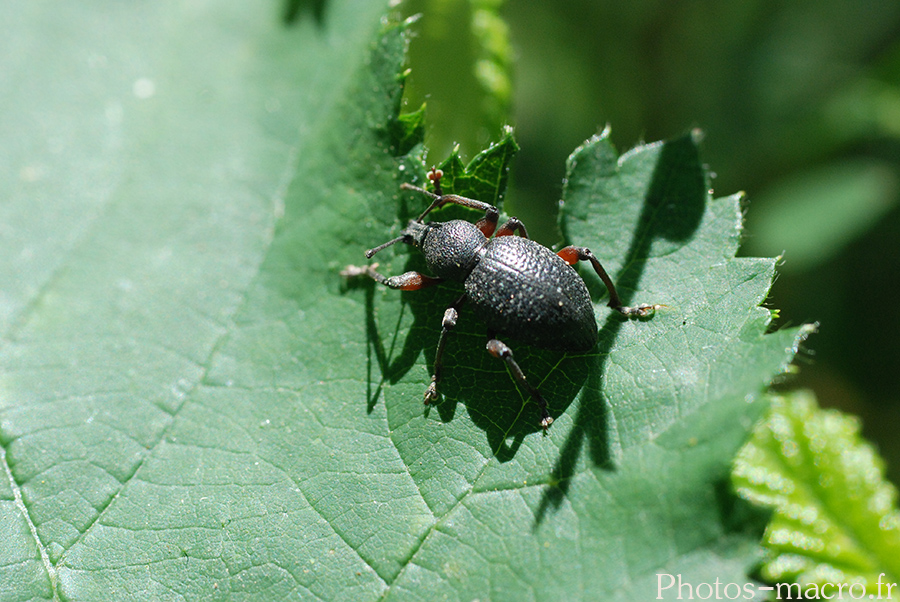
{"points": [[800, 106]]}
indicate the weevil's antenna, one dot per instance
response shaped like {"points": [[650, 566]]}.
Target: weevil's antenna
{"points": [[407, 186], [437, 200], [372, 252]]}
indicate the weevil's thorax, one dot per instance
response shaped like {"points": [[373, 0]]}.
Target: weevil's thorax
{"points": [[451, 248]]}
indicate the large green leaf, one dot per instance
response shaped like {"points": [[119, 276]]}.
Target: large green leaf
{"points": [[194, 404]]}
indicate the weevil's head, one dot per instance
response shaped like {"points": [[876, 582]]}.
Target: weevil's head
{"points": [[450, 248], [415, 233]]}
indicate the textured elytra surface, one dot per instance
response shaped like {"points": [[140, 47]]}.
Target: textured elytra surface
{"points": [[194, 405], [523, 290]]}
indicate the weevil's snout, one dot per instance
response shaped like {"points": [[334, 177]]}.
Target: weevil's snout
{"points": [[413, 234]]}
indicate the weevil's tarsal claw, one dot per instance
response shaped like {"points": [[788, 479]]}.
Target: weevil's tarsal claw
{"points": [[431, 393], [354, 271], [638, 311]]}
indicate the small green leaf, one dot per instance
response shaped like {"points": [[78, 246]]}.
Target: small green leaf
{"points": [[835, 516], [485, 176]]}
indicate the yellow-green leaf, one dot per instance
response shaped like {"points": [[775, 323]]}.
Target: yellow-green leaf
{"points": [[835, 517]]}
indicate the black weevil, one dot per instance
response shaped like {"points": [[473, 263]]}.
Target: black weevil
{"points": [[516, 286]]}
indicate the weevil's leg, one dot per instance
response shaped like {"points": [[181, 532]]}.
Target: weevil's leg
{"points": [[499, 350], [510, 227], [573, 254], [487, 224], [447, 324], [409, 281]]}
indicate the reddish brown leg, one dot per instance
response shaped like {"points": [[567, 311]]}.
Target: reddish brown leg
{"points": [[573, 254], [488, 223], [409, 281], [438, 199], [510, 227]]}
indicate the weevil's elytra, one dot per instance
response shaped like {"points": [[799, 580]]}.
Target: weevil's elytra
{"points": [[520, 289], [526, 291]]}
